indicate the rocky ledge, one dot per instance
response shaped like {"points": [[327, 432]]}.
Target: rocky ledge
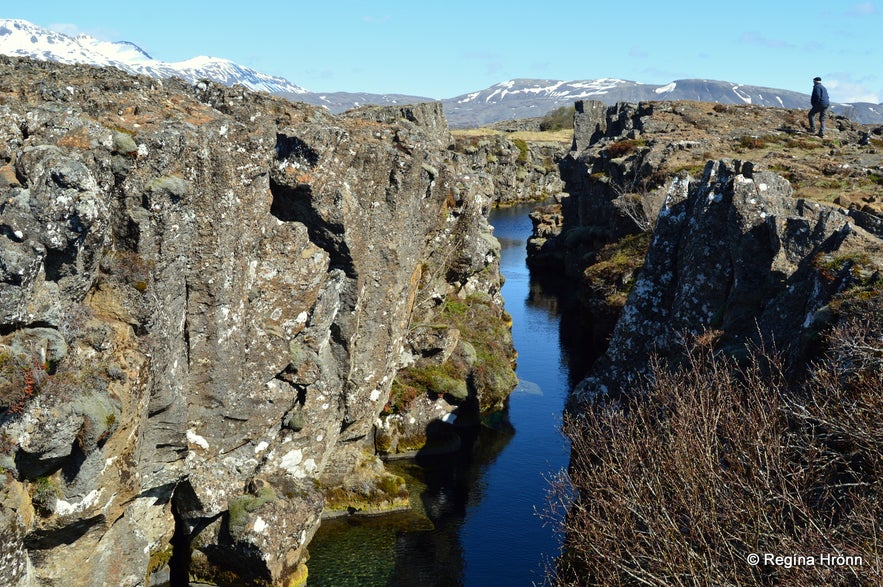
{"points": [[205, 297], [735, 257], [686, 219]]}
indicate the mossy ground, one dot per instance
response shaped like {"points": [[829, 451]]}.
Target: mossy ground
{"points": [[615, 269], [486, 330], [777, 140], [562, 136]]}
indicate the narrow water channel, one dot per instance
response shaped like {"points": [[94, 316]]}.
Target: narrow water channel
{"points": [[482, 502]]}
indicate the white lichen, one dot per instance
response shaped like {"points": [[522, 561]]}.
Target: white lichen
{"points": [[194, 438], [63, 508], [259, 525]]}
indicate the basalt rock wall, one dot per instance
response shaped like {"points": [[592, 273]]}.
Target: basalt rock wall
{"points": [[623, 157], [513, 170], [735, 256], [665, 245], [205, 294]]}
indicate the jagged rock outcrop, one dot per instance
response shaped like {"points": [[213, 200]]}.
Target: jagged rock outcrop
{"points": [[623, 158], [512, 170], [734, 252], [205, 295], [624, 155]]}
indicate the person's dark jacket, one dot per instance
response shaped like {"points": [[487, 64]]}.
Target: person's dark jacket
{"points": [[819, 96]]}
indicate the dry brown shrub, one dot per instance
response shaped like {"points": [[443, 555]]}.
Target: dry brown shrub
{"points": [[623, 147], [712, 461]]}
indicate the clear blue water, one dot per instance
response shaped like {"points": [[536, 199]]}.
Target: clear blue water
{"points": [[483, 501]]}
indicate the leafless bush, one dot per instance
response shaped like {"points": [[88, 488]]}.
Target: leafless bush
{"points": [[638, 202], [713, 461]]}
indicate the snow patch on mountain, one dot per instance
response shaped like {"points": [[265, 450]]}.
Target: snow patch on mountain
{"points": [[743, 96], [21, 38], [545, 89]]}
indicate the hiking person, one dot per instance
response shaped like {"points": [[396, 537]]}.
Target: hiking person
{"points": [[819, 101]]}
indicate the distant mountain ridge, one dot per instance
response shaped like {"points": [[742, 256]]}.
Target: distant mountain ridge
{"points": [[518, 98], [526, 98], [22, 39]]}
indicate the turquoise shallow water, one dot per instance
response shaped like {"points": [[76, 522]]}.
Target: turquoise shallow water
{"points": [[483, 501]]}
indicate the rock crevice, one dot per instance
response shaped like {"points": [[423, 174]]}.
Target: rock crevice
{"points": [[205, 297]]}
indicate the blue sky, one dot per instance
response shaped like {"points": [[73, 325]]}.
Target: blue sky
{"points": [[442, 49]]}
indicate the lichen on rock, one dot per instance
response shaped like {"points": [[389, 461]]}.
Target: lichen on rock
{"points": [[205, 297]]}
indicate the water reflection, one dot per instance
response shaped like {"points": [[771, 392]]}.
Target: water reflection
{"points": [[419, 548], [481, 502]]}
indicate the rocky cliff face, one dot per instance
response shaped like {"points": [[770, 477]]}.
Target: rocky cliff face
{"points": [[512, 170], [205, 296], [736, 257], [749, 246]]}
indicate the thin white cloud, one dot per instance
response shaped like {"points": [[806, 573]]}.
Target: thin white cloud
{"points": [[862, 9], [65, 28], [755, 38], [843, 88], [636, 51]]}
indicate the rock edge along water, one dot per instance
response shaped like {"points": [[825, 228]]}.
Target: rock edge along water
{"points": [[731, 244], [205, 296]]}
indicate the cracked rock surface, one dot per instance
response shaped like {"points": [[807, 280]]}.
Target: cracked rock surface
{"points": [[205, 294]]}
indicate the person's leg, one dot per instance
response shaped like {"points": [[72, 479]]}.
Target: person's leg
{"points": [[822, 121], [812, 126]]}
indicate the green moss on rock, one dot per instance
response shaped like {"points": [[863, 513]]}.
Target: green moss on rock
{"points": [[158, 559], [238, 508], [371, 495], [483, 358]]}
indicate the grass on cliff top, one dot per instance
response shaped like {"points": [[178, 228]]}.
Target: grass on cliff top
{"points": [[563, 136], [614, 272]]}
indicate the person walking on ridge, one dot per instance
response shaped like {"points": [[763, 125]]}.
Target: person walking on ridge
{"points": [[819, 101]]}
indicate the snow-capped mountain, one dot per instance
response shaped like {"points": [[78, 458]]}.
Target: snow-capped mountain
{"points": [[23, 39], [529, 98], [518, 98], [526, 98]]}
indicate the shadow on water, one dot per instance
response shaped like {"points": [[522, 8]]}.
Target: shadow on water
{"points": [[450, 485], [421, 547], [582, 340], [474, 519]]}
